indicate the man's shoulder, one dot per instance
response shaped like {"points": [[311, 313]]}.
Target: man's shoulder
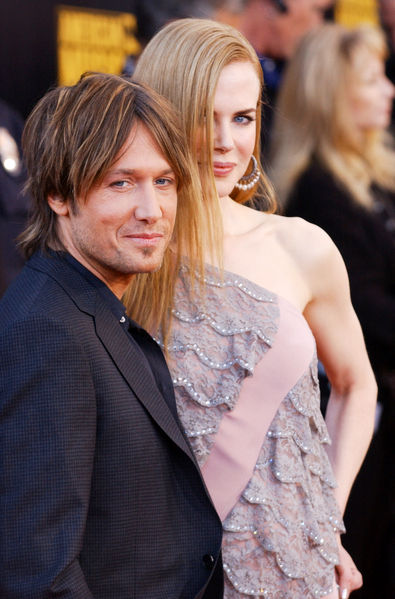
{"points": [[36, 291]]}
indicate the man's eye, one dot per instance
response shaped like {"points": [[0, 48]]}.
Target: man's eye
{"points": [[119, 184], [164, 181]]}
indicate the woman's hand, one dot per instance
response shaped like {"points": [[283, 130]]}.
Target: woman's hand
{"points": [[348, 576]]}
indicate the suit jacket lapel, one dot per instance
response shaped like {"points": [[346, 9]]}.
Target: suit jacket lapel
{"points": [[126, 357], [128, 360]]}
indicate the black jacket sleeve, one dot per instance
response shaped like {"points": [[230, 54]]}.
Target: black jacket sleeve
{"points": [[47, 442]]}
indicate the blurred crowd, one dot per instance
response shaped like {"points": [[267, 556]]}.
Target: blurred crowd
{"points": [[328, 125]]}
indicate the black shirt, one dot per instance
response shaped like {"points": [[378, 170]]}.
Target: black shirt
{"points": [[150, 352]]}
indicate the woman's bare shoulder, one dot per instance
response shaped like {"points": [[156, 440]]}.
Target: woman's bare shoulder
{"points": [[305, 241], [316, 256], [290, 256]]}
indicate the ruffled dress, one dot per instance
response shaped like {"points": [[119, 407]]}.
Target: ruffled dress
{"points": [[244, 367]]}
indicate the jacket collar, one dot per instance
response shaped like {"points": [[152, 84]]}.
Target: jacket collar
{"points": [[125, 354], [78, 288]]}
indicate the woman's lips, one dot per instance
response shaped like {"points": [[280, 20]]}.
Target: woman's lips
{"points": [[222, 169]]}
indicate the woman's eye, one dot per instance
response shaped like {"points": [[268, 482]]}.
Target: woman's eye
{"points": [[243, 119], [370, 79]]}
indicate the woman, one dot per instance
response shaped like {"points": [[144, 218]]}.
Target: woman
{"points": [[334, 165], [240, 347]]}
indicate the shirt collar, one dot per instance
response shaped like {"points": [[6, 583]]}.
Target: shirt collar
{"points": [[115, 305]]}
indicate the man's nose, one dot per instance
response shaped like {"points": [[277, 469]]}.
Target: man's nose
{"points": [[148, 205]]}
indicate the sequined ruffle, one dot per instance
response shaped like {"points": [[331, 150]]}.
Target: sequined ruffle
{"points": [[279, 539], [214, 346]]}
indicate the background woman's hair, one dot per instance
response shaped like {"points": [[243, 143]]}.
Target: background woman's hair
{"points": [[313, 116]]}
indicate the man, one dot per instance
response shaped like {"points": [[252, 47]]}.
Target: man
{"points": [[100, 496], [275, 27], [153, 15]]}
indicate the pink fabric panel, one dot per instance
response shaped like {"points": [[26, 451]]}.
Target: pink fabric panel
{"points": [[242, 431]]}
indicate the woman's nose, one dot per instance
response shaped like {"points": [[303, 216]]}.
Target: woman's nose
{"points": [[223, 140]]}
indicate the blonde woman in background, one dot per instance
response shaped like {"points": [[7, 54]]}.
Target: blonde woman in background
{"points": [[241, 345], [334, 165]]}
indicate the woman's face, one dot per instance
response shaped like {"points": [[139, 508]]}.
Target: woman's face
{"points": [[235, 108], [370, 92]]}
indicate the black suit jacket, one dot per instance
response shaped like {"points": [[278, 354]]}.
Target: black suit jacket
{"points": [[100, 495]]}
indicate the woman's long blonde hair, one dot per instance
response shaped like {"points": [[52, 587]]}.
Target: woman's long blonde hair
{"points": [[313, 116], [183, 62]]}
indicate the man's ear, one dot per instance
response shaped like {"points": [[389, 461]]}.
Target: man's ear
{"points": [[58, 205]]}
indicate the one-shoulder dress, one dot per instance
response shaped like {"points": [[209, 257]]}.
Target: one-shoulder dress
{"points": [[244, 367]]}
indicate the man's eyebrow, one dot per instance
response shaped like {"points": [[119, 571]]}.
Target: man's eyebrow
{"points": [[168, 171], [131, 171], [120, 171]]}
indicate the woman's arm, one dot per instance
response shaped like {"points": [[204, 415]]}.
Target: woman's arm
{"points": [[351, 406], [341, 348], [367, 250]]}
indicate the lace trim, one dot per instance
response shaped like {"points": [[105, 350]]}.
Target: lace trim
{"points": [[204, 341]]}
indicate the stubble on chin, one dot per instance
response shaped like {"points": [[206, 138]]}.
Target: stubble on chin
{"points": [[147, 253]]}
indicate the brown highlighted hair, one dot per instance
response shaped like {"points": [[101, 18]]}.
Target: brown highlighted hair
{"points": [[73, 136]]}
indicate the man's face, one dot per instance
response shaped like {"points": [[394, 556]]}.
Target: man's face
{"points": [[125, 223], [301, 17]]}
